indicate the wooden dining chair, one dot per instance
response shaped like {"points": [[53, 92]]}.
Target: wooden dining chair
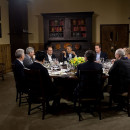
{"points": [[21, 88], [122, 98], [36, 93], [89, 91]]}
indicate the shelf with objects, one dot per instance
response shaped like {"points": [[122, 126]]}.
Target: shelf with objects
{"points": [[78, 28], [56, 28], [68, 28]]}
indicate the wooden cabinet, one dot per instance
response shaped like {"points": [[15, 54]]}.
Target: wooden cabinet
{"points": [[68, 26], [78, 28], [75, 28], [56, 28]]}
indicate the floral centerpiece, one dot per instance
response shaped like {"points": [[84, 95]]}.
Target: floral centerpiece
{"points": [[77, 60]]}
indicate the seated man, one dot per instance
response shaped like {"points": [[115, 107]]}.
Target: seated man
{"points": [[50, 56], [19, 67], [119, 73], [88, 65], [99, 53], [28, 60], [38, 65], [69, 54]]}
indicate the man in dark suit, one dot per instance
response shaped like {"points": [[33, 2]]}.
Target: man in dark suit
{"points": [[88, 65], [99, 54], [48, 85], [69, 54], [50, 56], [119, 73], [18, 68], [29, 57]]}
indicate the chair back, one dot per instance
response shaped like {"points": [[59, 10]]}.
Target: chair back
{"points": [[35, 83], [21, 86], [18, 73], [90, 83], [19, 79], [128, 88]]}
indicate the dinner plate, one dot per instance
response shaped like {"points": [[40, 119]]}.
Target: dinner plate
{"points": [[63, 73], [63, 70]]}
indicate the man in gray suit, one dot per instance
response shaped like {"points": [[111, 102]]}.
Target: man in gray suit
{"points": [[29, 57]]}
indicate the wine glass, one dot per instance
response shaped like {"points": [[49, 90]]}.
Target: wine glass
{"points": [[102, 60], [69, 67]]}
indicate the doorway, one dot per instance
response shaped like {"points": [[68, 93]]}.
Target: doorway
{"points": [[113, 36]]}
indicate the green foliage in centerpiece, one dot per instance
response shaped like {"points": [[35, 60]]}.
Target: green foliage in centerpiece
{"points": [[77, 60]]}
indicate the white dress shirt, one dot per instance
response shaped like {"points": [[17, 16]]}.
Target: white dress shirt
{"points": [[70, 56], [97, 56], [49, 57]]}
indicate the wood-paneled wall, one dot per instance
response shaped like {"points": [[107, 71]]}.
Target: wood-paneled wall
{"points": [[37, 46], [5, 56]]}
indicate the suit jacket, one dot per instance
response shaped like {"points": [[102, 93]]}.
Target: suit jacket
{"points": [[18, 70], [103, 55], [119, 75], [47, 59], [45, 76], [27, 61], [87, 66], [67, 57]]}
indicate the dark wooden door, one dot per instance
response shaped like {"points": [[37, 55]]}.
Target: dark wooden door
{"points": [[114, 36]]}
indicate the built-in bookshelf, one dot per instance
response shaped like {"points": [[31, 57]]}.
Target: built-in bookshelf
{"points": [[68, 26], [78, 28], [61, 29], [56, 28]]}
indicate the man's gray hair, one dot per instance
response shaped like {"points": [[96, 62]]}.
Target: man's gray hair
{"points": [[19, 53], [29, 50], [120, 52]]}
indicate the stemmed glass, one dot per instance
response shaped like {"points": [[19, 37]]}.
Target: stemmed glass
{"points": [[69, 67], [102, 60], [46, 64], [107, 65]]}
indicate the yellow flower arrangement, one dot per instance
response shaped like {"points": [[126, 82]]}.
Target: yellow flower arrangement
{"points": [[77, 60]]}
